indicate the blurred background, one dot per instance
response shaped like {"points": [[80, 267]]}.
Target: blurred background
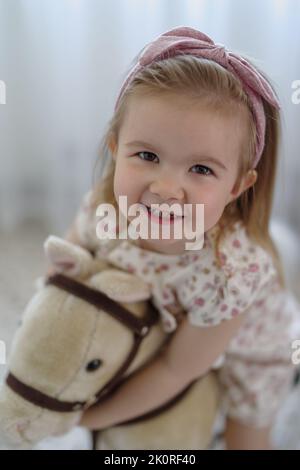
{"points": [[61, 65]]}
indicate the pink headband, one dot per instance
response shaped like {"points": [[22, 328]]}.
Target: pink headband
{"points": [[190, 41]]}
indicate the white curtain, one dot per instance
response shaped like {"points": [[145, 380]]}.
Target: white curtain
{"points": [[62, 62]]}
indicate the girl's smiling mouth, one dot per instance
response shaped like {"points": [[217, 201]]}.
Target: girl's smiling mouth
{"points": [[160, 217]]}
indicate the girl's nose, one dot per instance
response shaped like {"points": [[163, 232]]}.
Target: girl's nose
{"points": [[167, 188]]}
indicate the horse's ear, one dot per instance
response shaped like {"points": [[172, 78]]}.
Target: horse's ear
{"points": [[121, 286], [66, 257]]}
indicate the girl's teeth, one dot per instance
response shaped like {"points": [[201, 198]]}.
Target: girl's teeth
{"points": [[159, 214], [163, 215]]}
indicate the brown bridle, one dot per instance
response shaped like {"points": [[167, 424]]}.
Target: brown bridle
{"points": [[140, 328]]}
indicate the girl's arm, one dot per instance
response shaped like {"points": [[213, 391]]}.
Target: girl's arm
{"points": [[190, 353]]}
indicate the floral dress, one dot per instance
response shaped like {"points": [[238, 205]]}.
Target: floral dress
{"points": [[255, 371]]}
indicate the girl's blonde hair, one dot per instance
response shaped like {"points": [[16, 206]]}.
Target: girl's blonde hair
{"points": [[206, 82]]}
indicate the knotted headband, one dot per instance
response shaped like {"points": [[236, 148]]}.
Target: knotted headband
{"points": [[185, 40]]}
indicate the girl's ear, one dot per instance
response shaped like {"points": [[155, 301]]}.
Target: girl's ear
{"points": [[247, 181]]}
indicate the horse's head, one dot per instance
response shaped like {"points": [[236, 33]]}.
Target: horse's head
{"points": [[80, 335]]}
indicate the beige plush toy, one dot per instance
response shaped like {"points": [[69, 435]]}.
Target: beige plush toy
{"points": [[81, 335]]}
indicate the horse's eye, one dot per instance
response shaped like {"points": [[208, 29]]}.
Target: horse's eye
{"points": [[93, 365]]}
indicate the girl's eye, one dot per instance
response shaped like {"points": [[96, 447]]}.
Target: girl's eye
{"points": [[204, 170], [148, 153]]}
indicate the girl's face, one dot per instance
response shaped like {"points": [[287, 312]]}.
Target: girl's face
{"points": [[185, 155]]}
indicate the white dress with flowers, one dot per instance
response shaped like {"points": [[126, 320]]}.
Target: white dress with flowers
{"points": [[256, 369]]}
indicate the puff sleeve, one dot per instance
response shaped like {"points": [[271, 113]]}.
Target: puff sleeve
{"points": [[85, 223], [214, 294], [86, 226]]}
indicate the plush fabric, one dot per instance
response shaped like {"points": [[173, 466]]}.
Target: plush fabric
{"points": [[60, 334]]}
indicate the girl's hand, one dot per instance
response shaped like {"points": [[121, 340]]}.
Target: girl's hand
{"points": [[87, 419], [83, 420]]}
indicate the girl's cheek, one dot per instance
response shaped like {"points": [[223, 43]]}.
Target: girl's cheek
{"points": [[120, 187], [129, 171]]}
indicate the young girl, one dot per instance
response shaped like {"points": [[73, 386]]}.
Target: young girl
{"points": [[197, 124]]}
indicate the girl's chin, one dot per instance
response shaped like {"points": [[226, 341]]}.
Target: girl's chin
{"points": [[164, 246]]}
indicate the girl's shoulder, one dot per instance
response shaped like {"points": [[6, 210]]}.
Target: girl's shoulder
{"points": [[227, 288], [239, 254], [86, 224]]}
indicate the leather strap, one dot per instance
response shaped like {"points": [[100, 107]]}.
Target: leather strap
{"points": [[139, 326]]}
